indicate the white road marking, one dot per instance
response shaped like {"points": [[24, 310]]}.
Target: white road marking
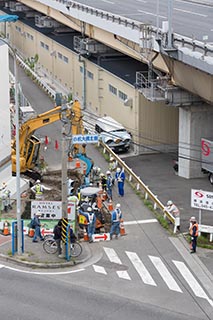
{"points": [[141, 269], [190, 279], [152, 14], [107, 1], [1, 266], [43, 273], [123, 274], [165, 274], [193, 3], [112, 255], [142, 1], [99, 269], [191, 12], [140, 221]]}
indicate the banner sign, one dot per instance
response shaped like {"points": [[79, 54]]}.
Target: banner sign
{"points": [[84, 138]]}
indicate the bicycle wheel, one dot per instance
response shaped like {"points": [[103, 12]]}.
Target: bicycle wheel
{"points": [[75, 249], [50, 246]]}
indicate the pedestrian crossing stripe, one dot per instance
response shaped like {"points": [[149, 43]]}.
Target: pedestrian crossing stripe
{"points": [[113, 257], [190, 279], [141, 269], [165, 274]]}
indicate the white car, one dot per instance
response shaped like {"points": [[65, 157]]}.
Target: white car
{"points": [[113, 134]]}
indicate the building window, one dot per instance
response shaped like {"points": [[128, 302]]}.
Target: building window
{"points": [[18, 29], [113, 90], [81, 69], [42, 44], [122, 95], [46, 47], [66, 60], [59, 55], [90, 75]]}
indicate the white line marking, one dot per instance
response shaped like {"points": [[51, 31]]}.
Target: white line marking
{"points": [[152, 14], [141, 269], [112, 255], [194, 3], [110, 2], [165, 274], [123, 275], [140, 221], [191, 12], [141, 1], [1, 266], [99, 269], [190, 279], [43, 273]]}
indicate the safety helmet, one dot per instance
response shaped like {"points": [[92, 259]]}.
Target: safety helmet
{"points": [[169, 203], [111, 159], [89, 209], [38, 181], [108, 172], [192, 219], [117, 206], [118, 169], [101, 174]]}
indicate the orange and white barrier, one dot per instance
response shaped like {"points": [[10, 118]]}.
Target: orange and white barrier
{"points": [[86, 238]]}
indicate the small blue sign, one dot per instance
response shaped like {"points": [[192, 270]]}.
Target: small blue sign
{"points": [[85, 138]]}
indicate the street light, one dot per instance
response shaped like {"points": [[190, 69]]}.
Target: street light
{"points": [[18, 193]]}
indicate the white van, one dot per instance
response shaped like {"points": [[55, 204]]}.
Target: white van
{"points": [[113, 134]]}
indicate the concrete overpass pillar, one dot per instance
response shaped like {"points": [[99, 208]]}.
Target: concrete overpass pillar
{"points": [[195, 122]]}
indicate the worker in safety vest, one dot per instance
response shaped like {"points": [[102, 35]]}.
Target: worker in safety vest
{"points": [[174, 211], [193, 230], [116, 216], [120, 178], [38, 190], [91, 218]]}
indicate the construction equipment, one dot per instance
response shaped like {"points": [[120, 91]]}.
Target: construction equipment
{"points": [[30, 144]]}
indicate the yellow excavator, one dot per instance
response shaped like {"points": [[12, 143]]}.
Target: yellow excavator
{"points": [[30, 144]]}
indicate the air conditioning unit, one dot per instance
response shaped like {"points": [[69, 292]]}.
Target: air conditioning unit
{"points": [[17, 7], [45, 22]]}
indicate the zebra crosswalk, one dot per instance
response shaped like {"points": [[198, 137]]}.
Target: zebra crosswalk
{"points": [[184, 273]]}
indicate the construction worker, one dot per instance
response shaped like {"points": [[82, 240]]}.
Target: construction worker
{"points": [[91, 218], [193, 230], [174, 211], [103, 181], [37, 225], [116, 216], [38, 190], [120, 178], [112, 165], [109, 184]]}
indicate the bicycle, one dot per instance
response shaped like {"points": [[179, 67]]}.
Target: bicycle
{"points": [[50, 247]]}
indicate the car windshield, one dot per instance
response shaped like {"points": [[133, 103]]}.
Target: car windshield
{"points": [[119, 130]]}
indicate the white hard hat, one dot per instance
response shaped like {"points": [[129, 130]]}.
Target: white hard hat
{"points": [[38, 181], [111, 159], [108, 172], [192, 219], [38, 214], [89, 209], [117, 206], [118, 169], [169, 203]]}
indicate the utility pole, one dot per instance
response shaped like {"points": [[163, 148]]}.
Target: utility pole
{"points": [[64, 175]]}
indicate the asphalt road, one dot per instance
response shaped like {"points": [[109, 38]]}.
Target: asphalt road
{"points": [[186, 14]]}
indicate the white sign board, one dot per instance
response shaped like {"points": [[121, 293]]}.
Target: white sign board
{"points": [[52, 209], [101, 237], [202, 199], [84, 138]]}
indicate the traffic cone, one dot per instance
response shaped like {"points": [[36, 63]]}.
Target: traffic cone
{"points": [[110, 205], [6, 230], [77, 164], [56, 144], [31, 233], [122, 229], [86, 238], [104, 196]]}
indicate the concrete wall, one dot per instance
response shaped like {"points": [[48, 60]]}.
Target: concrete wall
{"points": [[5, 132]]}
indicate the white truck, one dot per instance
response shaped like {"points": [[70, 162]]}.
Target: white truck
{"points": [[207, 157]]}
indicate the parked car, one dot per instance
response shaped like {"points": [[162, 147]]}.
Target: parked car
{"points": [[113, 134]]}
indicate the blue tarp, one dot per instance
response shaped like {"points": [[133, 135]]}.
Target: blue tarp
{"points": [[9, 18]]}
